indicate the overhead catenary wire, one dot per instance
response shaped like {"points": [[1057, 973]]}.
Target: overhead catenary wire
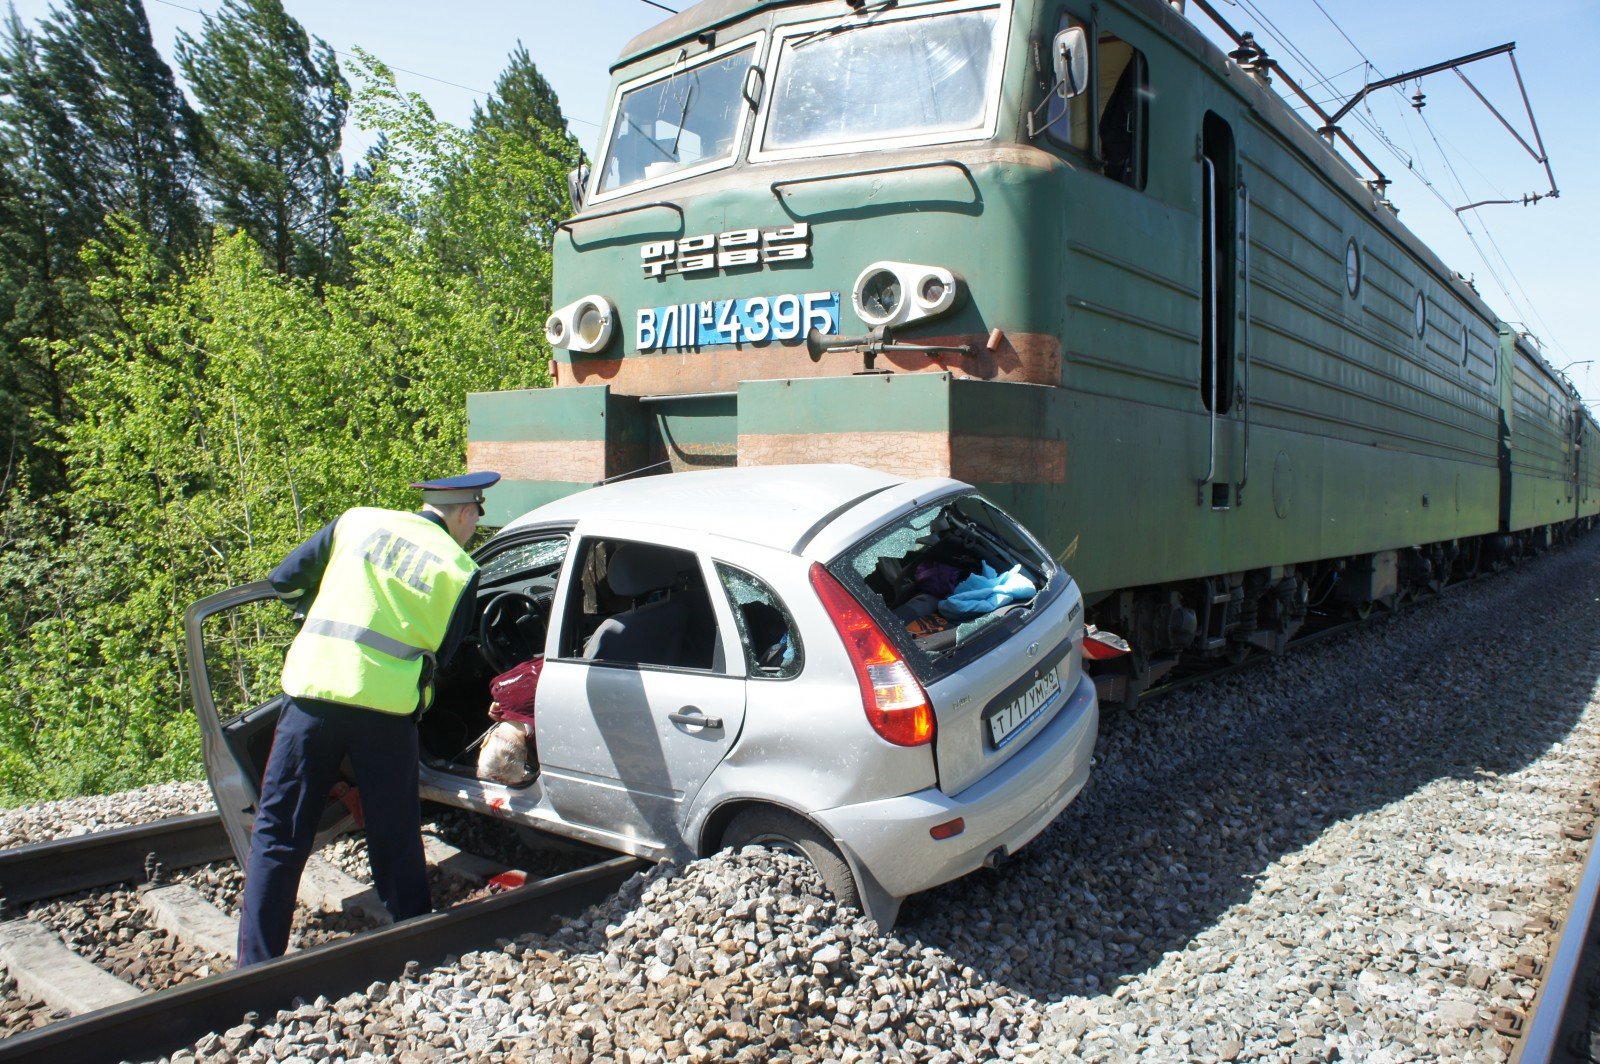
{"points": [[1530, 309], [1526, 308], [414, 73], [1412, 164]]}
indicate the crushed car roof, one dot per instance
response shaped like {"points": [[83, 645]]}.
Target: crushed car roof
{"points": [[772, 505]]}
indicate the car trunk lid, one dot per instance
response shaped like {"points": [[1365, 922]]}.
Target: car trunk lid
{"points": [[996, 671]]}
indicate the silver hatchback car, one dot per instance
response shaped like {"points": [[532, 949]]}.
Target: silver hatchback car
{"points": [[769, 655]]}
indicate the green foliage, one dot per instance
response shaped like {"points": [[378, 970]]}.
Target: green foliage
{"points": [[227, 409], [273, 106], [47, 212], [135, 132], [523, 102], [91, 123]]}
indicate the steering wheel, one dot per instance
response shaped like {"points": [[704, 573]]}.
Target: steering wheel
{"points": [[512, 628]]}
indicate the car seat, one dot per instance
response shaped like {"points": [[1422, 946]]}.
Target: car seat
{"points": [[670, 630]]}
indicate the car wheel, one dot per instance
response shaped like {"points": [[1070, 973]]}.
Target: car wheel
{"points": [[780, 830]]}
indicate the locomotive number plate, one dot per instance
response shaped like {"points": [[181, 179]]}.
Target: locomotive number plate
{"points": [[752, 320], [1006, 722]]}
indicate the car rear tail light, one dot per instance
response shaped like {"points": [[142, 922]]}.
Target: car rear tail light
{"points": [[949, 829], [895, 704], [1102, 646]]}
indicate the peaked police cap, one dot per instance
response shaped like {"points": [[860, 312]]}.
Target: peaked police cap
{"points": [[468, 487]]}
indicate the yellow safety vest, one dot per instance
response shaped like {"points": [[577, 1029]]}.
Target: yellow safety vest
{"points": [[380, 614]]}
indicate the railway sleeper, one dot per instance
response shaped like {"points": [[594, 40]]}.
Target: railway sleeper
{"points": [[1194, 627], [187, 916], [46, 969]]}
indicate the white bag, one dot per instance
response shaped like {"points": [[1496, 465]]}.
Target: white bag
{"points": [[503, 755]]}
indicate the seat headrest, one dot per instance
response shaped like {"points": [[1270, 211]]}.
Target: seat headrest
{"points": [[638, 569]]}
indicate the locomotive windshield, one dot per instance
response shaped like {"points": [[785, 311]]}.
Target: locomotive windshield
{"points": [[687, 117], [899, 78]]}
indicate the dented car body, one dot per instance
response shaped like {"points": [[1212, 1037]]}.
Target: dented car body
{"points": [[755, 655]]}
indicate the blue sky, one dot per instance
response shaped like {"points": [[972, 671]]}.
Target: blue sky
{"points": [[1541, 260]]}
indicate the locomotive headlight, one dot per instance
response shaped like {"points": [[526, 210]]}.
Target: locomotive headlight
{"points": [[583, 326], [896, 293]]}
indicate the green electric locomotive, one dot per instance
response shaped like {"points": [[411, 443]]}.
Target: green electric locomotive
{"points": [[1069, 252]]}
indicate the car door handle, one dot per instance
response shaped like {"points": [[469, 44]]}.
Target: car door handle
{"points": [[690, 715]]}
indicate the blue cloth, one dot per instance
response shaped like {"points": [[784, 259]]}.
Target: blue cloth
{"points": [[312, 739], [986, 591]]}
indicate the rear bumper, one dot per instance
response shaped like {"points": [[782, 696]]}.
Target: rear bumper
{"points": [[889, 838]]}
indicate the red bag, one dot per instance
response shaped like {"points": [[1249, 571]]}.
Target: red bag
{"points": [[514, 691]]}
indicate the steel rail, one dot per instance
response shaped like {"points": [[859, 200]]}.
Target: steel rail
{"points": [[158, 1024], [1557, 1010], [79, 862]]}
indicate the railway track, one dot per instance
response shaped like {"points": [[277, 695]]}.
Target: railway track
{"points": [[1395, 849], [1560, 1027], [61, 866], [112, 1018]]}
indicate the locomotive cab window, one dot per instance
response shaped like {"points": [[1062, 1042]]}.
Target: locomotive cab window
{"points": [[680, 121], [1117, 139], [883, 77]]}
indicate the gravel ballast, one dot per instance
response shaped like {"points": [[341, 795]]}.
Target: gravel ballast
{"points": [[1340, 854], [102, 812]]}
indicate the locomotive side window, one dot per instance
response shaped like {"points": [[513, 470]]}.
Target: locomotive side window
{"points": [[1123, 99], [1120, 105], [1218, 266]]}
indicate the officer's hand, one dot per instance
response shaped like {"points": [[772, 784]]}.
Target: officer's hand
{"points": [[495, 712]]}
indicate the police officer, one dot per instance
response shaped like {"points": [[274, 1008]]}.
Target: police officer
{"points": [[385, 595]]}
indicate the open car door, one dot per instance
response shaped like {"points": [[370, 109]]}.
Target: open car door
{"points": [[235, 666]]}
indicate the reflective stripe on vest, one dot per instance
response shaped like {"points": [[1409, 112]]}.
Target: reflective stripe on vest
{"points": [[381, 611], [365, 636]]}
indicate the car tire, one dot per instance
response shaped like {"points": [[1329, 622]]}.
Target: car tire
{"points": [[787, 832]]}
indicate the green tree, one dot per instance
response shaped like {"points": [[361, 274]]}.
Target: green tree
{"points": [[273, 104], [137, 133], [515, 155], [228, 409], [47, 212], [522, 102]]}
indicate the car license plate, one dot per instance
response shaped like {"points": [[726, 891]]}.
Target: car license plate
{"points": [[1007, 722]]}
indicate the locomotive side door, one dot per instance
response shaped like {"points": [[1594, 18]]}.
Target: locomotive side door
{"points": [[1224, 317]]}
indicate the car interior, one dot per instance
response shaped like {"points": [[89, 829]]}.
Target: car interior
{"points": [[633, 604], [916, 565]]}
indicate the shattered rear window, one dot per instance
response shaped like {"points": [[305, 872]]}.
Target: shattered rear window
{"points": [[918, 567]]}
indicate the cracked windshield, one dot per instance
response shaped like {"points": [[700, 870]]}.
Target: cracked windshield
{"points": [[689, 118], [899, 78]]}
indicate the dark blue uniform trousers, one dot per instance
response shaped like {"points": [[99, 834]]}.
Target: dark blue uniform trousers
{"points": [[311, 742]]}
